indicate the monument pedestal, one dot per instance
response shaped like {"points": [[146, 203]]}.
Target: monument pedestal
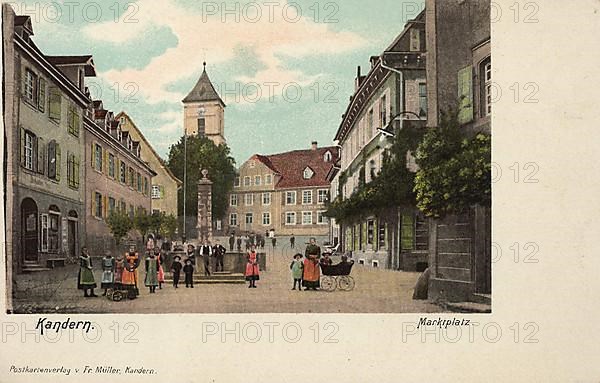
{"points": [[204, 224]]}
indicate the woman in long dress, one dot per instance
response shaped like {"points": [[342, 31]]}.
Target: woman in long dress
{"points": [[161, 271], [252, 268], [151, 280], [85, 278], [130, 273], [108, 272]]}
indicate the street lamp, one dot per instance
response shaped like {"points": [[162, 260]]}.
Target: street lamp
{"points": [[387, 131]]}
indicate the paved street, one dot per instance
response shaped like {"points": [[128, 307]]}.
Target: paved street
{"points": [[376, 290]]}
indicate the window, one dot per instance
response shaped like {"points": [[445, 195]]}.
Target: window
{"points": [[98, 205], [98, 157], [307, 218], [111, 205], [139, 182], [370, 231], [54, 160], [383, 108], [111, 166], [372, 169], [307, 197], [123, 172], [247, 181], [249, 218], [30, 90], [233, 219], [257, 180], [266, 219], [233, 200], [308, 173], [54, 232], [381, 235], [422, 99], [327, 157], [465, 95], [266, 199], [268, 179], [321, 218], [249, 199], [156, 192], [73, 162], [375, 263], [290, 198], [201, 127], [290, 218], [122, 206], [73, 121], [237, 182], [29, 149], [44, 232], [322, 196], [487, 87], [146, 186]]}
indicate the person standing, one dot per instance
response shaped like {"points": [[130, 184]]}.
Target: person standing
{"points": [[108, 272], [219, 253], [176, 270], [188, 270], [150, 243], [85, 279], [130, 273], [206, 253], [274, 242], [239, 244], [292, 241], [297, 268], [191, 254], [151, 280], [231, 242], [160, 258], [119, 267], [312, 274], [252, 268]]}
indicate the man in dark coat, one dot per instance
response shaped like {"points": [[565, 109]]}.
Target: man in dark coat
{"points": [[219, 253], [231, 241], [206, 252]]}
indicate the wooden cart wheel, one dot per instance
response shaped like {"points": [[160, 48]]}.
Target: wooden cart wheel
{"points": [[346, 283], [117, 296], [109, 294], [328, 283]]}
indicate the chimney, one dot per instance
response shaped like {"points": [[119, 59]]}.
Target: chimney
{"points": [[357, 81], [315, 145]]}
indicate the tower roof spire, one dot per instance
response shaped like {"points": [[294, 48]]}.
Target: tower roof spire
{"points": [[203, 90]]}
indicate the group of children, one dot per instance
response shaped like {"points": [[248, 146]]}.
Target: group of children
{"points": [[297, 267]]}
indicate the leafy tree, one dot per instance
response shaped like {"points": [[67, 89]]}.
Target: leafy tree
{"points": [[142, 222], [119, 225], [455, 172], [156, 219], [202, 153], [168, 226]]}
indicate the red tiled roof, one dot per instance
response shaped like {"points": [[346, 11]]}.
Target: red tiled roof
{"points": [[100, 114], [291, 165]]}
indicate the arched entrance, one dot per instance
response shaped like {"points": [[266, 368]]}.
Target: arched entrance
{"points": [[72, 228], [29, 230]]}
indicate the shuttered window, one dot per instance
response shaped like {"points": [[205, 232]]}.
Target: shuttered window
{"points": [[465, 95], [55, 104], [42, 95]]}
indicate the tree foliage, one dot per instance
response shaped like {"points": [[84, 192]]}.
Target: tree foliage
{"points": [[168, 226], [202, 153], [455, 172], [119, 225], [142, 222]]}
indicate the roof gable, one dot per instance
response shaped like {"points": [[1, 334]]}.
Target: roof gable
{"points": [[203, 91]]}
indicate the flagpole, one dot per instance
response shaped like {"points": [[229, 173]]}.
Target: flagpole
{"points": [[183, 236]]}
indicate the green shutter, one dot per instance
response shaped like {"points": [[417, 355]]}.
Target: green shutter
{"points": [[22, 146], [93, 156], [34, 162], [42, 95], [76, 123], [76, 171], [58, 163], [55, 103], [162, 191], [465, 95], [41, 158]]}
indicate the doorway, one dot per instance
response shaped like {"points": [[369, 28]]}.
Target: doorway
{"points": [[29, 230], [72, 234]]}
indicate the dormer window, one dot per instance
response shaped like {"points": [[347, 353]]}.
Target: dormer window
{"points": [[308, 173], [122, 120], [328, 156]]}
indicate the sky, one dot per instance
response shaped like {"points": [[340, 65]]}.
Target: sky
{"points": [[285, 69]]}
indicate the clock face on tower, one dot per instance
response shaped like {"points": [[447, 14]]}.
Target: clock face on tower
{"points": [[201, 112]]}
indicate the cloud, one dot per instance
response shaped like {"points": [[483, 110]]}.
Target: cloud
{"points": [[200, 37]]}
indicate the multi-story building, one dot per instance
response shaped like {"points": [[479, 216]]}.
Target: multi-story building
{"points": [[164, 185], [283, 192], [116, 177], [459, 74], [204, 111], [45, 99], [392, 93]]}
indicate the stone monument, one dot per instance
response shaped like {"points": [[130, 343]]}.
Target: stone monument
{"points": [[204, 225]]}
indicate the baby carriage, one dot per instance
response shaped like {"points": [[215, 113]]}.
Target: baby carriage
{"points": [[337, 276]]}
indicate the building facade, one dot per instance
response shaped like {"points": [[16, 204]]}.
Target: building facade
{"points": [[204, 111], [392, 93], [116, 178], [459, 73], [164, 186], [45, 99], [285, 192]]}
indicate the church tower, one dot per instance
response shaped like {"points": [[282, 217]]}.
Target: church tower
{"points": [[204, 111]]}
